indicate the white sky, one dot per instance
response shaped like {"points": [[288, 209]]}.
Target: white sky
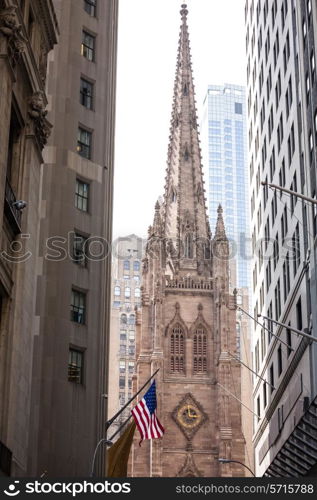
{"points": [[147, 49]]}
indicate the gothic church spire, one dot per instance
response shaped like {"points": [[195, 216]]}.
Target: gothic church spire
{"points": [[184, 210]]}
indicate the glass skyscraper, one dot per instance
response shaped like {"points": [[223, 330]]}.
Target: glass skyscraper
{"points": [[225, 160]]}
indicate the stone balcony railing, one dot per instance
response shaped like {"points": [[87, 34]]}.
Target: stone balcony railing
{"points": [[189, 284]]}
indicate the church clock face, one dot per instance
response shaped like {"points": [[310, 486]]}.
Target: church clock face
{"points": [[189, 416]]}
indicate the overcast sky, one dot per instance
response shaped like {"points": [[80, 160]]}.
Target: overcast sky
{"points": [[147, 49]]}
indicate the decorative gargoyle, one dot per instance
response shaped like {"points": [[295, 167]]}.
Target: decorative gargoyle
{"points": [[12, 29], [37, 113]]}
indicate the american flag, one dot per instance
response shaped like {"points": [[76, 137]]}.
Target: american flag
{"points": [[144, 414]]}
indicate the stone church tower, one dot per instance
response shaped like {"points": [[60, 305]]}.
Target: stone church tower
{"points": [[187, 325]]}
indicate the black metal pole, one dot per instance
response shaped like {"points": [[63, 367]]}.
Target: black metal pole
{"points": [[121, 427]]}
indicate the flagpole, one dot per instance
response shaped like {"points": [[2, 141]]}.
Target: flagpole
{"points": [[121, 427], [109, 422], [235, 397]]}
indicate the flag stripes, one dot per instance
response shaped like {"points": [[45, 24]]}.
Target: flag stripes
{"points": [[144, 414]]}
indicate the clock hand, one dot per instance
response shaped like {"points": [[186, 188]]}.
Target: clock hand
{"points": [[191, 415]]}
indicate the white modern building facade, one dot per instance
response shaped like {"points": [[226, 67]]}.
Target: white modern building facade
{"points": [[283, 242], [224, 146]]}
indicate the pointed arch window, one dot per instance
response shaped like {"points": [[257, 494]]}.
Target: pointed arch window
{"points": [[185, 89], [177, 349], [188, 246], [200, 350]]}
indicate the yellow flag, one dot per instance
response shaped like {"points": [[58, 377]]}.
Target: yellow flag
{"points": [[118, 453]]}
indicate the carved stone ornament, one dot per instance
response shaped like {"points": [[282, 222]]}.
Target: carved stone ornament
{"points": [[37, 113], [188, 222], [189, 468], [12, 29], [177, 319]]}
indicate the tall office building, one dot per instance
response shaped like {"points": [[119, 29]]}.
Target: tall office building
{"points": [[225, 153], [126, 299], [71, 332], [28, 31], [281, 92]]}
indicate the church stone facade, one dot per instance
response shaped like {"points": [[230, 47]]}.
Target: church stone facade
{"points": [[187, 323]]}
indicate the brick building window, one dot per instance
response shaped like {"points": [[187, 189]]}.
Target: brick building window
{"points": [[81, 195], [75, 366], [200, 351], [90, 7], [84, 143], [78, 307], [86, 93], [177, 349], [88, 46]]}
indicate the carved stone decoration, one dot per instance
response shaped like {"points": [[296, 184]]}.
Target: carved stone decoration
{"points": [[200, 194], [177, 319], [189, 468], [43, 62], [37, 113], [189, 416], [187, 223], [200, 322], [12, 29]]}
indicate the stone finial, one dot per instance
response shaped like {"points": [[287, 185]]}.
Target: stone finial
{"points": [[220, 226], [184, 11]]}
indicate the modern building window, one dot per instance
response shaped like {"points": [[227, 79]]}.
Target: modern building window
{"points": [[132, 319], [124, 319], [84, 143], [131, 350], [312, 66], [75, 366], [117, 291], [258, 408], [126, 265], [286, 277], [78, 307], [272, 377], [121, 382], [279, 361], [88, 46], [137, 292], [82, 195], [136, 265], [80, 251], [122, 366], [289, 341], [127, 292], [264, 395], [131, 367], [86, 93], [90, 7], [299, 316], [277, 300], [238, 108]]}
